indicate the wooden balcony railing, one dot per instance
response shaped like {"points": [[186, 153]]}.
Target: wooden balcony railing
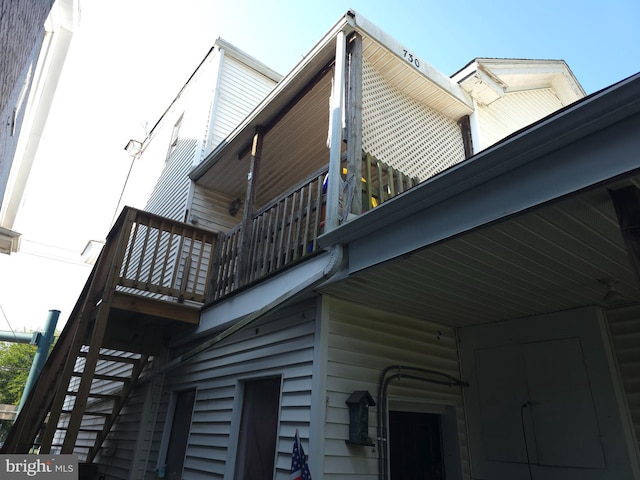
{"points": [[287, 229], [170, 260], [280, 234], [162, 258]]}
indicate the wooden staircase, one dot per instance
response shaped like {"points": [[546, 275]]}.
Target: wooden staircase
{"points": [[147, 285]]}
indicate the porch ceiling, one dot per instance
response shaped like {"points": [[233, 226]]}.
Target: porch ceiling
{"points": [[545, 260], [419, 85], [294, 147]]}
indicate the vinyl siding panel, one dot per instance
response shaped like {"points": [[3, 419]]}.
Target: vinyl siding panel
{"points": [[210, 208], [624, 325], [514, 111], [241, 88], [362, 343], [281, 345], [123, 439], [169, 197]]}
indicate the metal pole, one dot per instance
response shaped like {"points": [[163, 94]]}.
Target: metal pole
{"points": [[44, 343], [13, 337]]}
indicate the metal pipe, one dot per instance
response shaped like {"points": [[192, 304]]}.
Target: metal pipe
{"points": [[8, 336], [383, 384], [44, 343]]}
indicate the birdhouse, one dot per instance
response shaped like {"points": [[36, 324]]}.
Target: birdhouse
{"points": [[359, 403]]}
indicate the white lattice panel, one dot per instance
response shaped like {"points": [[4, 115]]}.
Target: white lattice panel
{"points": [[405, 133]]}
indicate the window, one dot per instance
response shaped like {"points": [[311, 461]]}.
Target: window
{"points": [[180, 427], [175, 136], [258, 430]]}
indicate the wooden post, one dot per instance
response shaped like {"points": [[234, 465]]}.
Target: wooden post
{"points": [[335, 140], [626, 202], [354, 123], [467, 138], [249, 207]]}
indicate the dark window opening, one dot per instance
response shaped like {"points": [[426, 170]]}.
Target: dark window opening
{"points": [[179, 434], [415, 446], [258, 430]]}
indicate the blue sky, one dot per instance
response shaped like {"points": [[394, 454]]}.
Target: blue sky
{"points": [[599, 40], [129, 59]]}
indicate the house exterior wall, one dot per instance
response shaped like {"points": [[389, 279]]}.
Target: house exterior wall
{"points": [[512, 112], [210, 209], [624, 325], [280, 346], [542, 399], [362, 342], [21, 34], [241, 88], [216, 99]]}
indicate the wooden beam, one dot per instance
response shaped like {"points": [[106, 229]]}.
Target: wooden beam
{"points": [[156, 308], [249, 206], [467, 138], [354, 122], [626, 202]]}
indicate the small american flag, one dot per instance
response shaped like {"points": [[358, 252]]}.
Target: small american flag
{"points": [[299, 467]]}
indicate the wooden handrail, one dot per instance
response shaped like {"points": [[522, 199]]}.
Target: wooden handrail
{"points": [[163, 257]]}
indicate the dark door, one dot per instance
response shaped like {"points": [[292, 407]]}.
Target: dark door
{"points": [[415, 446]]}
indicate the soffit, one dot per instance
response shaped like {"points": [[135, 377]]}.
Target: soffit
{"points": [[294, 147], [542, 261], [412, 81]]}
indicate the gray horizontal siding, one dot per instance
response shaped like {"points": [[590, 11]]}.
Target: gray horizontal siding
{"points": [[624, 325], [169, 196], [279, 346], [362, 343], [211, 210]]}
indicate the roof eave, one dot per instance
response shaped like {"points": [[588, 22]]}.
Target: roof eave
{"points": [[276, 100], [236, 143], [592, 114]]}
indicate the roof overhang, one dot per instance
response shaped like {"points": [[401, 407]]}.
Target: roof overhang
{"points": [[408, 73], [488, 79], [524, 228], [528, 156], [9, 241]]}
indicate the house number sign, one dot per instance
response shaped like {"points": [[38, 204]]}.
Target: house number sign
{"points": [[411, 58]]}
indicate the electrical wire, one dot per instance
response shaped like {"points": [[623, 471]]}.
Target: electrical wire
{"points": [[524, 435], [7, 320]]}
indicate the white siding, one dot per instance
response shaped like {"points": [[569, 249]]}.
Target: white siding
{"points": [[241, 89], [169, 197], [362, 343], [514, 111], [279, 346]]}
